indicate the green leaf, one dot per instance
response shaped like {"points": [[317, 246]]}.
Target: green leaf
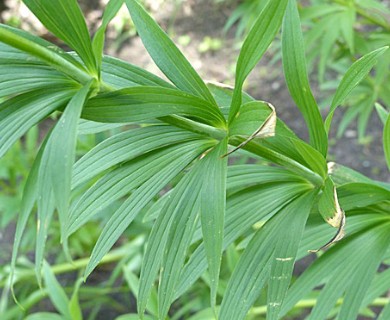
{"points": [[45, 209], [355, 195], [166, 55], [178, 236], [144, 103], [124, 147], [62, 149], [338, 267], [21, 112], [386, 141], [256, 43], [65, 20], [294, 65], [74, 305], [121, 74], [212, 208], [129, 176], [110, 12], [44, 316], [354, 75], [45, 51], [382, 112], [56, 293], [30, 194], [121, 219], [270, 256]]}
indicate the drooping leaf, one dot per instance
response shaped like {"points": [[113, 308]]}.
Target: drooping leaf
{"points": [[56, 293], [20, 113], [65, 20], [126, 178], [354, 75], [139, 199], [256, 43], [270, 256], [295, 72], [212, 209], [62, 149], [124, 147], [166, 55]]}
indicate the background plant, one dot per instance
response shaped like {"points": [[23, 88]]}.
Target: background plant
{"points": [[178, 134], [336, 34]]}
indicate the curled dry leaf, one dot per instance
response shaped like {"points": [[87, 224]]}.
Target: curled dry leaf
{"points": [[266, 129], [332, 213]]}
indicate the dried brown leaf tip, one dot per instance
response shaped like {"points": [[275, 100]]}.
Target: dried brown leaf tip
{"points": [[266, 129], [332, 213]]}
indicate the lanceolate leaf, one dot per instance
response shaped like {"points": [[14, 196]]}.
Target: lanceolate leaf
{"points": [[121, 74], [126, 146], [28, 200], [244, 209], [21, 112], [129, 176], [65, 19], [297, 80], [140, 198], [212, 208], [144, 103], [62, 149], [110, 11], [256, 43], [269, 256], [56, 292], [354, 75], [166, 55]]}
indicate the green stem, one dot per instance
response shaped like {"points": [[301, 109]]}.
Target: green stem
{"points": [[113, 256], [281, 160], [61, 64], [194, 126], [309, 303]]}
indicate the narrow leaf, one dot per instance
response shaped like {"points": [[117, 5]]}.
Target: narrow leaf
{"points": [[294, 65], [65, 20], [110, 12], [144, 103], [213, 203], [354, 75], [256, 43], [166, 55], [62, 146]]}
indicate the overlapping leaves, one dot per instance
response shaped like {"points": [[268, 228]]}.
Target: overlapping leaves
{"points": [[178, 139]]}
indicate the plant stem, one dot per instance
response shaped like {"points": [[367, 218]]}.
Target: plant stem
{"points": [[281, 160], [128, 250], [194, 126], [309, 303]]}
